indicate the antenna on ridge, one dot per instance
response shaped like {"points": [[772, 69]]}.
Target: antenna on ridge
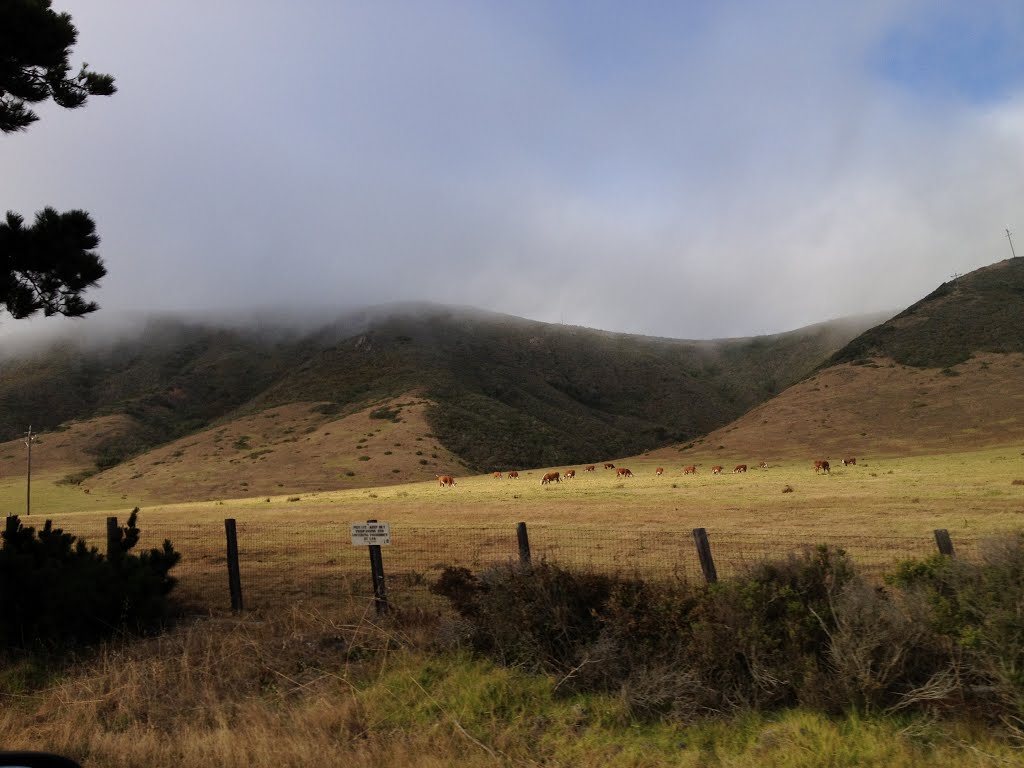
{"points": [[1009, 236]]}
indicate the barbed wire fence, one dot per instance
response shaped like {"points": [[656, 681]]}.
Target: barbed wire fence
{"points": [[280, 564]]}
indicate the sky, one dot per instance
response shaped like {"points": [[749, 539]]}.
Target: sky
{"points": [[682, 169]]}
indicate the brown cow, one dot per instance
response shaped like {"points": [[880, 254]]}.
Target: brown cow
{"points": [[550, 477], [659, 471], [739, 468], [848, 462], [445, 481], [589, 468], [569, 474], [513, 475], [763, 465], [497, 475], [821, 465], [609, 465], [690, 470], [716, 470], [623, 472]]}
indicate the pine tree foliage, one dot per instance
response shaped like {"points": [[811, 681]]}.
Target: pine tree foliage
{"points": [[56, 590], [35, 45], [48, 265]]}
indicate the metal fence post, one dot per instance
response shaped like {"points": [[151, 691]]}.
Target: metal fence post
{"points": [[234, 575], [707, 562], [524, 543], [944, 542]]}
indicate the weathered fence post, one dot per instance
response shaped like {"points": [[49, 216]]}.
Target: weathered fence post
{"points": [[113, 539], [707, 562], [11, 527], [943, 541], [524, 543], [234, 575], [380, 596]]}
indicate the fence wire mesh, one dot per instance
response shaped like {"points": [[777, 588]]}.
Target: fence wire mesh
{"points": [[281, 564]]}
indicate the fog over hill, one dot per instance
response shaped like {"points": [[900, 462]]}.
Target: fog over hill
{"points": [[507, 391]]}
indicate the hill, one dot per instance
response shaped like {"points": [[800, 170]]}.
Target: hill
{"points": [[946, 374], [499, 391]]}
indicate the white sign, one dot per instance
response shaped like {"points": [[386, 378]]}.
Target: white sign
{"points": [[371, 534]]}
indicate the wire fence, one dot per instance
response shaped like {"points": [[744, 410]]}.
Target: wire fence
{"points": [[281, 564]]}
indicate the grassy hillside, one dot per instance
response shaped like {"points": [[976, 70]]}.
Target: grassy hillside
{"points": [[506, 392], [946, 374], [978, 312]]}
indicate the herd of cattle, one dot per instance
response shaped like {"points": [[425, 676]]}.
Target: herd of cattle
{"points": [[820, 465]]}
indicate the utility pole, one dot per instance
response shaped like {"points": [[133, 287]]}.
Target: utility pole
{"points": [[1010, 238], [29, 439]]}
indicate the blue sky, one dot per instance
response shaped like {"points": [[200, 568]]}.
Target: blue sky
{"points": [[695, 170]]}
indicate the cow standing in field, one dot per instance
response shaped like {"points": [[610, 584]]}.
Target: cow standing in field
{"points": [[716, 470], [821, 465], [497, 475], [623, 472], [589, 468], [763, 465], [739, 468], [513, 475], [550, 477], [609, 465], [445, 481], [848, 462], [659, 471], [690, 470], [569, 474]]}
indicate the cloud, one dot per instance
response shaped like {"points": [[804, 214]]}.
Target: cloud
{"points": [[729, 170]]}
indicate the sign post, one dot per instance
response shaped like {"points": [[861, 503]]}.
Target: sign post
{"points": [[373, 534]]}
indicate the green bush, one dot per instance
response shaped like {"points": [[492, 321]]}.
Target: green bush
{"points": [[57, 591]]}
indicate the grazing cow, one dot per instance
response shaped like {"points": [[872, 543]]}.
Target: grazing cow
{"points": [[497, 475], [445, 481], [739, 468], [716, 470], [848, 462], [659, 471], [589, 468], [569, 474], [623, 472], [763, 465], [609, 465], [550, 477], [690, 470], [513, 475], [821, 465]]}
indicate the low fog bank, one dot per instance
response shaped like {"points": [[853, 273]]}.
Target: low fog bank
{"points": [[106, 330]]}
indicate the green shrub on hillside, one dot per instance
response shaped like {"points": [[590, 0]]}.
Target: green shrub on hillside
{"points": [[56, 591]]}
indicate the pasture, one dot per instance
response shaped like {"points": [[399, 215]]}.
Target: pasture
{"points": [[596, 517]]}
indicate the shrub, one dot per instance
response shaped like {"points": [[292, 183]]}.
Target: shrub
{"points": [[540, 615], [56, 591]]}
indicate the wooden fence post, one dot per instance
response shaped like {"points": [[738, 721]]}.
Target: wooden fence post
{"points": [[707, 562], [524, 543], [944, 543], [380, 596], [234, 575], [113, 539], [11, 526]]}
